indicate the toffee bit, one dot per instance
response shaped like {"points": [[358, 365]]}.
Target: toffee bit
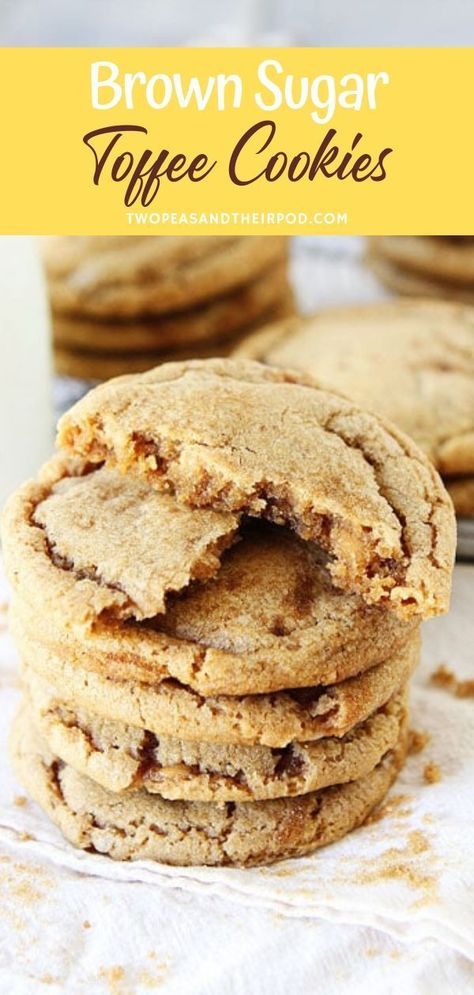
{"points": [[417, 741]]}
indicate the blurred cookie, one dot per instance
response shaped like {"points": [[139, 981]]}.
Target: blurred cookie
{"points": [[98, 366], [130, 276], [449, 260], [218, 320], [413, 284]]}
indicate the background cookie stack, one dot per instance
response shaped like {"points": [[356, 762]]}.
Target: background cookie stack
{"points": [[122, 305], [409, 361], [218, 585], [425, 266]]}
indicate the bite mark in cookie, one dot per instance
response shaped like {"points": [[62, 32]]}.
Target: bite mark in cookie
{"points": [[239, 437]]}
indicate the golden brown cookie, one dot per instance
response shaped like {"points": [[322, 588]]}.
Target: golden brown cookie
{"points": [[140, 825], [90, 543], [461, 491], [241, 437], [123, 758], [219, 320], [412, 284], [270, 619], [449, 260], [171, 709], [130, 276], [410, 361], [97, 366]]}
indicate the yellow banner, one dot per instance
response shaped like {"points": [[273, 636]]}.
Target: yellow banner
{"points": [[236, 141]]}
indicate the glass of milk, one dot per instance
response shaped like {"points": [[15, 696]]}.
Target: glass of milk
{"points": [[26, 416]]}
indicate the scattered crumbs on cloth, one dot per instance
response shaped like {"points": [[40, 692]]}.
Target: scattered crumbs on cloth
{"points": [[442, 677], [432, 773], [417, 741], [396, 807]]}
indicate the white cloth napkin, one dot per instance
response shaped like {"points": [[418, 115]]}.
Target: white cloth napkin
{"points": [[409, 875]]}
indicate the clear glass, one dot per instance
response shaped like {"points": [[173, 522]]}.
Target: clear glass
{"points": [[26, 416]]}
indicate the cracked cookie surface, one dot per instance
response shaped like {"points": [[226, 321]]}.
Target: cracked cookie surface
{"points": [[269, 619], [171, 709], [241, 437], [123, 758], [140, 825], [91, 542]]}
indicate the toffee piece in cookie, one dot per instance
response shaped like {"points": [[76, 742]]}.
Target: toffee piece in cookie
{"points": [[239, 437], [124, 758], [140, 825], [174, 600]]}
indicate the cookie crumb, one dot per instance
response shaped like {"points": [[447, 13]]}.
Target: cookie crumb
{"points": [[395, 807], [86, 924], [417, 741], [444, 678], [25, 836], [417, 842], [114, 977], [432, 773], [20, 800]]}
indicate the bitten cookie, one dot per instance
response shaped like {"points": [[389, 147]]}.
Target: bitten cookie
{"points": [[258, 617], [244, 438]]}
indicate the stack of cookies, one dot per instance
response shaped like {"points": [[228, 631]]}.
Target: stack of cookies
{"points": [[218, 584], [425, 265], [410, 361], [122, 305]]}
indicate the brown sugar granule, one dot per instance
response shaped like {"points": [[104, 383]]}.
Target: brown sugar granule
{"points": [[417, 741], [395, 807], [432, 773], [417, 842], [444, 678], [400, 863], [114, 976]]}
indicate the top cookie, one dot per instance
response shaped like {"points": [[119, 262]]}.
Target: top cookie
{"points": [[125, 277], [241, 437], [410, 361]]}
